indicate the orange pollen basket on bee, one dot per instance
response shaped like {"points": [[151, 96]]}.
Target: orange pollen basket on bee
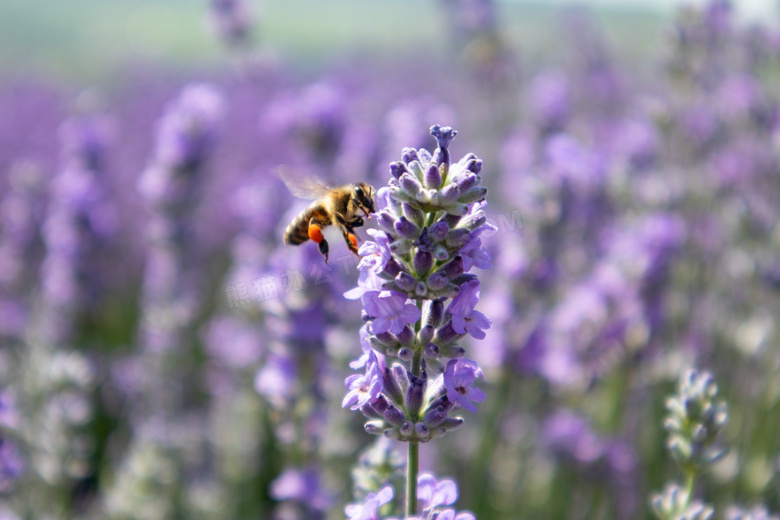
{"points": [[315, 233], [353, 240]]}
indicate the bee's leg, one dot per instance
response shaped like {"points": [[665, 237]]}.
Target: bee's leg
{"points": [[324, 249], [349, 234], [357, 222], [315, 234], [351, 239]]}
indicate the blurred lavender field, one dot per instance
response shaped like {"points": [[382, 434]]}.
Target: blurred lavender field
{"points": [[164, 356]]}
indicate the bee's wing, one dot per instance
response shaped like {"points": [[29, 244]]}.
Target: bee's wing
{"points": [[303, 187]]}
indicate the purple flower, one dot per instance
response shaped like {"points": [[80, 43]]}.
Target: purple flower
{"points": [[364, 388], [276, 380], [429, 234], [383, 199], [698, 122], [569, 434], [464, 318], [315, 117], [374, 255], [451, 514], [432, 494], [574, 162], [308, 323], [368, 281], [185, 134], [390, 311], [558, 363], [369, 509], [233, 342], [459, 375], [638, 141], [550, 98], [365, 346], [11, 465], [474, 255], [9, 416], [302, 485]]}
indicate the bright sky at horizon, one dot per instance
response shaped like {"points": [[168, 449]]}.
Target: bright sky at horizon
{"points": [[751, 9]]}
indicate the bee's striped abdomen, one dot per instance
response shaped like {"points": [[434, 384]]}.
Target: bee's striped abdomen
{"points": [[298, 230]]}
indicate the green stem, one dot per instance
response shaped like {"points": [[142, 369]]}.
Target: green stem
{"points": [[430, 220], [413, 458], [412, 467], [417, 362], [690, 483], [416, 367]]}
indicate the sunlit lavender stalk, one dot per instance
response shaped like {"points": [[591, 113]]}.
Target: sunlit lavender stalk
{"points": [[54, 383], [20, 249], [695, 419], [170, 297], [419, 301], [78, 226], [170, 185], [11, 464]]}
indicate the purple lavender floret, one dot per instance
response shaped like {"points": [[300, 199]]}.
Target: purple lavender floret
{"points": [[465, 319], [276, 380], [458, 378], [9, 415], [432, 216], [375, 254], [11, 465], [390, 311], [303, 486], [365, 388], [451, 514], [434, 495], [369, 509]]}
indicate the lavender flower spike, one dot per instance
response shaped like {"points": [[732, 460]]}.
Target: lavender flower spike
{"points": [[431, 213], [696, 417]]}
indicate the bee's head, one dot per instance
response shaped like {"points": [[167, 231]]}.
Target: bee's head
{"points": [[364, 196]]}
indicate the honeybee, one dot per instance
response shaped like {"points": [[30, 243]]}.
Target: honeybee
{"points": [[339, 207]]}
